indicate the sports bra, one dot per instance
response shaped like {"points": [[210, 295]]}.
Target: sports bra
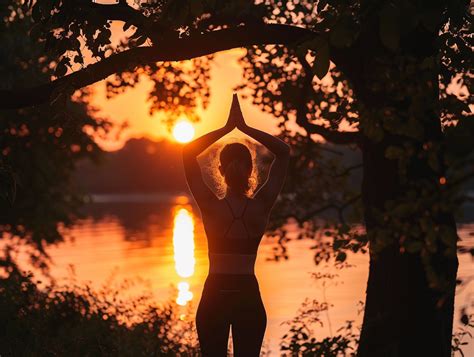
{"points": [[237, 218], [233, 255]]}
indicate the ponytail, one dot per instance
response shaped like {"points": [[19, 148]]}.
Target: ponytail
{"points": [[237, 176], [237, 167]]}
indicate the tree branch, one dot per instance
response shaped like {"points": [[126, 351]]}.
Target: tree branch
{"points": [[348, 169], [339, 209], [169, 49]]}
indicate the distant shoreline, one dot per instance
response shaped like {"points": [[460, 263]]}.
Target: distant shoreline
{"points": [[139, 197], [183, 198]]}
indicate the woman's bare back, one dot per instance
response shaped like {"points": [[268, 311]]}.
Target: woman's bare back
{"points": [[220, 222]]}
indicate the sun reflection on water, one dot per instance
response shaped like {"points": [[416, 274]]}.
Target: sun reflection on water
{"points": [[184, 295], [183, 244]]}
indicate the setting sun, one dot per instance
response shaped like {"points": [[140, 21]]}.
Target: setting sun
{"points": [[183, 131]]}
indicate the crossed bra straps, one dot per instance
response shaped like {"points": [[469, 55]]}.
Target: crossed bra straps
{"points": [[235, 218], [233, 255]]}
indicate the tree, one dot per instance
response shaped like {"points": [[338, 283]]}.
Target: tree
{"points": [[395, 64], [39, 146]]}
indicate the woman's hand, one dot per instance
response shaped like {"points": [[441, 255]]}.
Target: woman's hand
{"points": [[231, 122], [236, 119]]}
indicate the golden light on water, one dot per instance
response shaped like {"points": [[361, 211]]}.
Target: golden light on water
{"points": [[184, 295], [183, 131], [183, 244]]}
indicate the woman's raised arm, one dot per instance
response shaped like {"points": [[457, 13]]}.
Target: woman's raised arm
{"points": [[270, 190], [191, 151]]}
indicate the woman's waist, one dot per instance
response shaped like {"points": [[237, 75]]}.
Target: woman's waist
{"points": [[245, 246], [231, 282], [234, 264]]}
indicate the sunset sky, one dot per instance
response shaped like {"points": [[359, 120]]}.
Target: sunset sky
{"points": [[132, 106]]}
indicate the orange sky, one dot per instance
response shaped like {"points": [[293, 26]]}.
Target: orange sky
{"points": [[132, 106]]}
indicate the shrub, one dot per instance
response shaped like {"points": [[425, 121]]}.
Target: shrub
{"points": [[75, 320]]}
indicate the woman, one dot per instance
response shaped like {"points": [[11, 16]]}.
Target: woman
{"points": [[234, 227]]}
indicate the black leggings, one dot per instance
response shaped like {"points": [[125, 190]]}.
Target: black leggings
{"points": [[231, 300]]}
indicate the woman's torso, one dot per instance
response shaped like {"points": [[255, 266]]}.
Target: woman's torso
{"points": [[234, 228]]}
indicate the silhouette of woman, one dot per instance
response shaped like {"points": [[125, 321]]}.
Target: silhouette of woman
{"points": [[234, 227]]}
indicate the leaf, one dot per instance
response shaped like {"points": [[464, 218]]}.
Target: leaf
{"points": [[136, 34], [321, 5], [141, 40], [338, 244], [389, 26], [341, 257], [126, 26], [61, 68], [78, 59], [36, 13], [321, 61]]}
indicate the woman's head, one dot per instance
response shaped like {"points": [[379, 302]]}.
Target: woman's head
{"points": [[236, 166]]}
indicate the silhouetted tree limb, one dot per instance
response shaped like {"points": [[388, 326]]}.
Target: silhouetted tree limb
{"points": [[348, 169], [338, 208], [169, 49]]}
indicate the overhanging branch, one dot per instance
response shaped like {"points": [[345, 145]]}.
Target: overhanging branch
{"points": [[338, 208], [169, 49]]}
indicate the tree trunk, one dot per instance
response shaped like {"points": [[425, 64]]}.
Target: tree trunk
{"points": [[403, 316]]}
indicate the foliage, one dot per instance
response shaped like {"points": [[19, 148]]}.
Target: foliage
{"points": [[39, 146], [76, 31], [75, 320], [321, 195], [300, 340], [464, 332], [376, 93]]}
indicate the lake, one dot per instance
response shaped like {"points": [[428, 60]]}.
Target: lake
{"points": [[161, 239]]}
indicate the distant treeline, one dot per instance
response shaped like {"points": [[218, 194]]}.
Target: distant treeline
{"points": [[141, 166], [144, 166]]}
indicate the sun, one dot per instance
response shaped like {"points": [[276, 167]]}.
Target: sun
{"points": [[183, 131]]}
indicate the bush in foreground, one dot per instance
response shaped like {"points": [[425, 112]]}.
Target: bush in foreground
{"points": [[74, 320]]}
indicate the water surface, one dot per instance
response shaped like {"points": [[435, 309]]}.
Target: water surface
{"points": [[161, 239]]}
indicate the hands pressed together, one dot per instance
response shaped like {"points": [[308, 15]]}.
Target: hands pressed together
{"points": [[235, 119]]}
